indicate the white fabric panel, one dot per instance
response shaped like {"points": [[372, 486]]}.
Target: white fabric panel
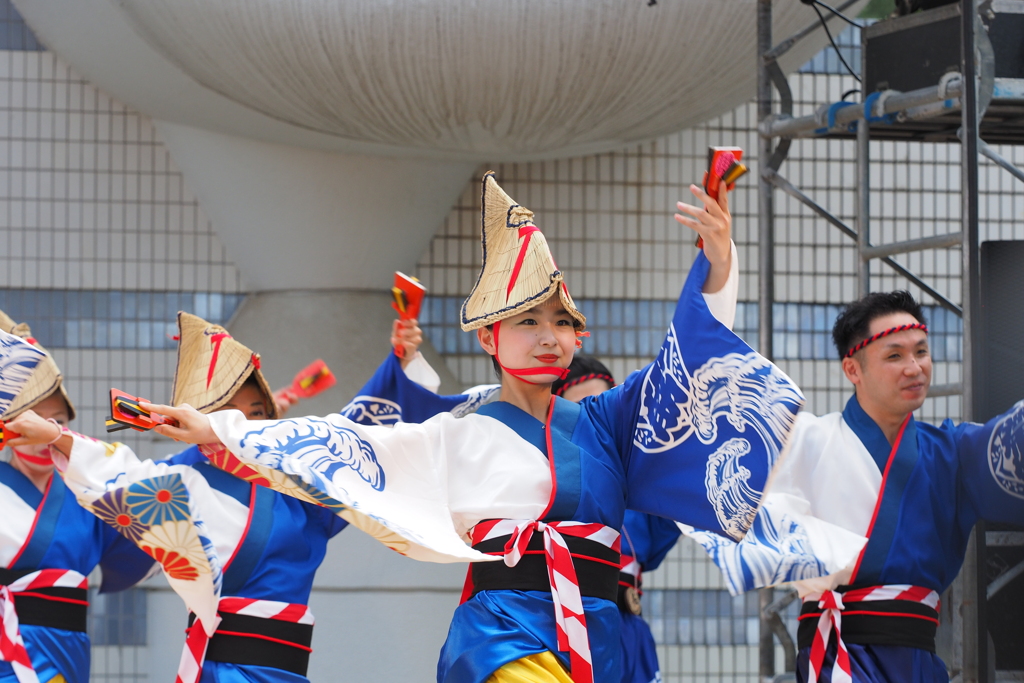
{"points": [[722, 303], [17, 516], [96, 467], [419, 371], [510, 482], [88, 477], [829, 474], [440, 477]]}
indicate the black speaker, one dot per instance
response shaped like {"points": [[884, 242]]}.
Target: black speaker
{"points": [[1001, 377], [1000, 385], [914, 51]]}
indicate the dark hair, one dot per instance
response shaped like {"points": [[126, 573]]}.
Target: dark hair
{"points": [[853, 323], [582, 368]]}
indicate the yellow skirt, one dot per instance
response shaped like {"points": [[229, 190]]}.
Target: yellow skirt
{"points": [[57, 679], [539, 668]]}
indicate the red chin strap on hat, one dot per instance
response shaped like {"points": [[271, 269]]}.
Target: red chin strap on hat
{"points": [[33, 459], [523, 373], [886, 333]]}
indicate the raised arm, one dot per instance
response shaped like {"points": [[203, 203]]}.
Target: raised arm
{"points": [[700, 429]]}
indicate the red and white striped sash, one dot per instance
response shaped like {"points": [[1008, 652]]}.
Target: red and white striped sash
{"points": [[630, 566], [194, 653], [570, 620], [12, 647], [832, 604]]}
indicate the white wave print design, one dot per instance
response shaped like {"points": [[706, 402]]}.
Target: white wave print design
{"points": [[1005, 458], [777, 549], [744, 389], [726, 483], [18, 359], [371, 410], [322, 447], [476, 397]]}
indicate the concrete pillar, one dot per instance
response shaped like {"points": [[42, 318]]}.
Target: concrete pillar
{"points": [[298, 218]]}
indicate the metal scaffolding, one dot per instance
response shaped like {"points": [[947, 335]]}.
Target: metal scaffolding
{"points": [[962, 106]]}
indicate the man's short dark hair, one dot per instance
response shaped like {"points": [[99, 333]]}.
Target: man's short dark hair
{"points": [[854, 322]]}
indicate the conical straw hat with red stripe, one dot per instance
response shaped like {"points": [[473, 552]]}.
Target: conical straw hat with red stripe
{"points": [[45, 380], [213, 366], [518, 270]]}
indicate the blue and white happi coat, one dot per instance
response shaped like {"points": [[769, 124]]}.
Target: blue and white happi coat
{"points": [[235, 538], [50, 530], [692, 437], [940, 482]]}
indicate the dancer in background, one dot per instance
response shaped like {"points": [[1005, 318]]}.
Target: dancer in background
{"points": [[49, 544], [256, 549], [260, 549]]}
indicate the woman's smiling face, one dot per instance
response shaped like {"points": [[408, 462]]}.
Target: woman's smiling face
{"points": [[542, 337]]}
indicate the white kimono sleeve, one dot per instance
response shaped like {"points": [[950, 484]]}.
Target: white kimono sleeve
{"points": [[391, 482], [159, 507]]}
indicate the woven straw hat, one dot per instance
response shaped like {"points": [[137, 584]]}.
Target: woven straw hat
{"points": [[45, 379], [514, 251], [212, 366]]}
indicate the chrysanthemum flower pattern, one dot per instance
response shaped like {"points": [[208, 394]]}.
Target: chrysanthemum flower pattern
{"points": [[112, 508], [158, 500], [176, 546]]}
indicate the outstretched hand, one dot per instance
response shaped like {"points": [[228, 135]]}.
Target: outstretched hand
{"points": [[193, 426], [713, 222]]}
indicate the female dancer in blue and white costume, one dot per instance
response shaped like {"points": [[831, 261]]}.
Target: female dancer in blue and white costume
{"points": [[49, 544], [693, 437]]}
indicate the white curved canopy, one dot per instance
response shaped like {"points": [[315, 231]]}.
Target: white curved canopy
{"points": [[467, 79]]}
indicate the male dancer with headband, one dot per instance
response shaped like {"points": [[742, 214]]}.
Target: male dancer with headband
{"points": [[913, 489]]}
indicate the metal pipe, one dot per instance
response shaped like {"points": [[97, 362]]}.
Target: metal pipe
{"points": [[938, 390], [863, 214], [1003, 579], [975, 640], [785, 640], [766, 276], [817, 123], [1001, 161], [953, 239]]}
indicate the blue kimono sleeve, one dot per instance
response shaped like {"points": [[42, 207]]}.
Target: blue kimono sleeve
{"points": [[700, 429], [330, 521], [992, 465], [390, 397], [123, 563]]}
